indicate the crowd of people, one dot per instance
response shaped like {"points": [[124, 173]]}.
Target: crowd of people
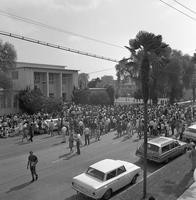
{"points": [[92, 121]]}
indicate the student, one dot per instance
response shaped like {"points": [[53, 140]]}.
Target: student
{"points": [[32, 162]]}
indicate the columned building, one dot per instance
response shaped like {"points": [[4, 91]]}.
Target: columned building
{"points": [[53, 81]]}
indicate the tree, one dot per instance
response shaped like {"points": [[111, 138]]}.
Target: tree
{"points": [[30, 101], [33, 101], [83, 80], [93, 82], [110, 91], [174, 76], [145, 46], [193, 78], [7, 62]]}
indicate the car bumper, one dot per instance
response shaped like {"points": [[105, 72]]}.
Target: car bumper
{"points": [[85, 192]]}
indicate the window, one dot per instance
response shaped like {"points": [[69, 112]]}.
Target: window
{"points": [[36, 77], [51, 78], [95, 173], [9, 101], [121, 170], [111, 174], [152, 147], [15, 101], [15, 75], [2, 101], [165, 148]]}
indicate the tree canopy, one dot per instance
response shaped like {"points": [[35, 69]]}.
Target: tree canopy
{"points": [[7, 61]]}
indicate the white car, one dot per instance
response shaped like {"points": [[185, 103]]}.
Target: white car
{"points": [[190, 133], [105, 177]]}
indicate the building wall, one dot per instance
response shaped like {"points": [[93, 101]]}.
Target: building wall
{"points": [[8, 102]]}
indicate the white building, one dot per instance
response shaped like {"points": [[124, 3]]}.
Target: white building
{"points": [[53, 81]]}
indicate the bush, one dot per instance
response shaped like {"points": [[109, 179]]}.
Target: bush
{"points": [[32, 101]]}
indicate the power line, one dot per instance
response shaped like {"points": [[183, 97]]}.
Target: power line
{"points": [[37, 23], [55, 46], [187, 15], [101, 70], [194, 12]]}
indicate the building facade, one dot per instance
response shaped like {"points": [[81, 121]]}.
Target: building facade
{"points": [[53, 81]]}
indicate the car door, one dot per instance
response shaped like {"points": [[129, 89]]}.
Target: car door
{"points": [[112, 180], [122, 177]]}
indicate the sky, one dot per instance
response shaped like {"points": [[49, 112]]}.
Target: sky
{"points": [[111, 21]]}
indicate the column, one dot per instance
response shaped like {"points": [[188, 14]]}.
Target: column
{"points": [[60, 84], [47, 84]]}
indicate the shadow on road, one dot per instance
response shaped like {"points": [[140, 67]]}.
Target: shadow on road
{"points": [[59, 143], [78, 197], [68, 156], [19, 187], [22, 143], [46, 137]]}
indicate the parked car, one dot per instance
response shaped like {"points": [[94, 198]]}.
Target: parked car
{"points": [[162, 149], [190, 133], [105, 177]]}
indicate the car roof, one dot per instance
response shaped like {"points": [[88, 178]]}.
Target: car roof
{"points": [[107, 165], [161, 141]]}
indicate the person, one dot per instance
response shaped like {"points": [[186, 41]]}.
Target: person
{"points": [[64, 134], [193, 157], [25, 131], [71, 142], [31, 132], [86, 135], [78, 142], [51, 127], [32, 162]]}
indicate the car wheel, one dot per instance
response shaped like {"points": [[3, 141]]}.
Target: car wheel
{"points": [[107, 194], [134, 179]]}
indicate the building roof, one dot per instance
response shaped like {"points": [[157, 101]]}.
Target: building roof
{"points": [[106, 165], [42, 66]]}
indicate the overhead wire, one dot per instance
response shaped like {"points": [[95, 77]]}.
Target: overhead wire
{"points": [[187, 15], [43, 25], [186, 7], [56, 46]]}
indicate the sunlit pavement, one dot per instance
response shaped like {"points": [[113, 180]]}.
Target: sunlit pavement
{"points": [[56, 165]]}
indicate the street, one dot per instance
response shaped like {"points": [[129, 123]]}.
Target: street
{"points": [[56, 165]]}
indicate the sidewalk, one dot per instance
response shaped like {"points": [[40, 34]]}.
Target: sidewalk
{"points": [[168, 183]]}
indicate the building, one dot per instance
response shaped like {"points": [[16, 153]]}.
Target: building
{"points": [[53, 81]]}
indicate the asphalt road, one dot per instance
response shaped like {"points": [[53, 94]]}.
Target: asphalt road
{"points": [[56, 166]]}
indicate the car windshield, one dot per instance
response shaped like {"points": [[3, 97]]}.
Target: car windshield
{"points": [[95, 173]]}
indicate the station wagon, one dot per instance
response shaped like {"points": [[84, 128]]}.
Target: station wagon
{"points": [[162, 149]]}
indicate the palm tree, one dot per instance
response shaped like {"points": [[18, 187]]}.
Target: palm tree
{"points": [[150, 49]]}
